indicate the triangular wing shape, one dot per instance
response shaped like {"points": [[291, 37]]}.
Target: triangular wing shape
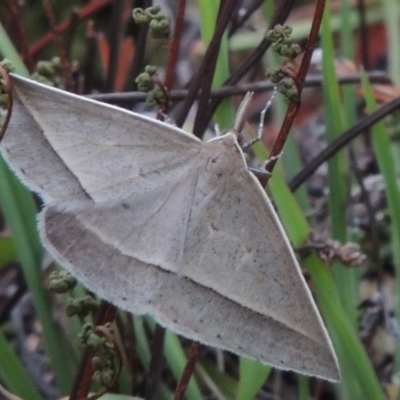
{"points": [[178, 218], [69, 148], [225, 236], [178, 303]]}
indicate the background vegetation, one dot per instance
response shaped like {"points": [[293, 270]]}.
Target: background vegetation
{"points": [[337, 177]]}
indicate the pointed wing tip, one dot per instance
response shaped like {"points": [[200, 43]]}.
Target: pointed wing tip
{"points": [[333, 376], [331, 371]]}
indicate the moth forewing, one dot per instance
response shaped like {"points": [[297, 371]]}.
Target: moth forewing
{"points": [[159, 222]]}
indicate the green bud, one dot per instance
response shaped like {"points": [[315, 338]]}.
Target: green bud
{"points": [[139, 16], [160, 29], [144, 82], [7, 65]]}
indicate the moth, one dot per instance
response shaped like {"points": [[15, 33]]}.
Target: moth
{"points": [[158, 222]]}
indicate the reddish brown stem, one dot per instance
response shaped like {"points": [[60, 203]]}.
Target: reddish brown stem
{"points": [[20, 34], [174, 47], [299, 81], [92, 8], [188, 371], [83, 378], [60, 45], [173, 54], [209, 56]]}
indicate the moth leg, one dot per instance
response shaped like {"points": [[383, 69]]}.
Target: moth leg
{"points": [[260, 173], [273, 159], [250, 143], [263, 112], [261, 124]]}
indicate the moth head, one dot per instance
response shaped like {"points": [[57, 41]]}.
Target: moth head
{"points": [[224, 155]]}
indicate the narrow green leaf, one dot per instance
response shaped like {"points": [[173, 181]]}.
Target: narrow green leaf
{"points": [[338, 181], [7, 251], [252, 377], [225, 383], [12, 373], [344, 336], [386, 162], [20, 213], [7, 50], [304, 388]]}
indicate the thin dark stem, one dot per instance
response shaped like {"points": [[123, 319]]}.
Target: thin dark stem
{"points": [[223, 18], [156, 363], [239, 22], [175, 44], [115, 39], [131, 351], [70, 32], [300, 79], [140, 50], [83, 378], [85, 12], [364, 34], [60, 46], [208, 57], [173, 54], [16, 23], [226, 91], [343, 141], [281, 13], [89, 59]]}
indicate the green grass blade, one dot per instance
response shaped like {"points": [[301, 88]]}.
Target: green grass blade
{"points": [[252, 377], [387, 166], [346, 342], [8, 252], [304, 388], [344, 336], [7, 50], [20, 213], [338, 181], [12, 373], [226, 383], [337, 172]]}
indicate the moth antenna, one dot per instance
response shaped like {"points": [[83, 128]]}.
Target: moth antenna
{"points": [[241, 113], [217, 130]]}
